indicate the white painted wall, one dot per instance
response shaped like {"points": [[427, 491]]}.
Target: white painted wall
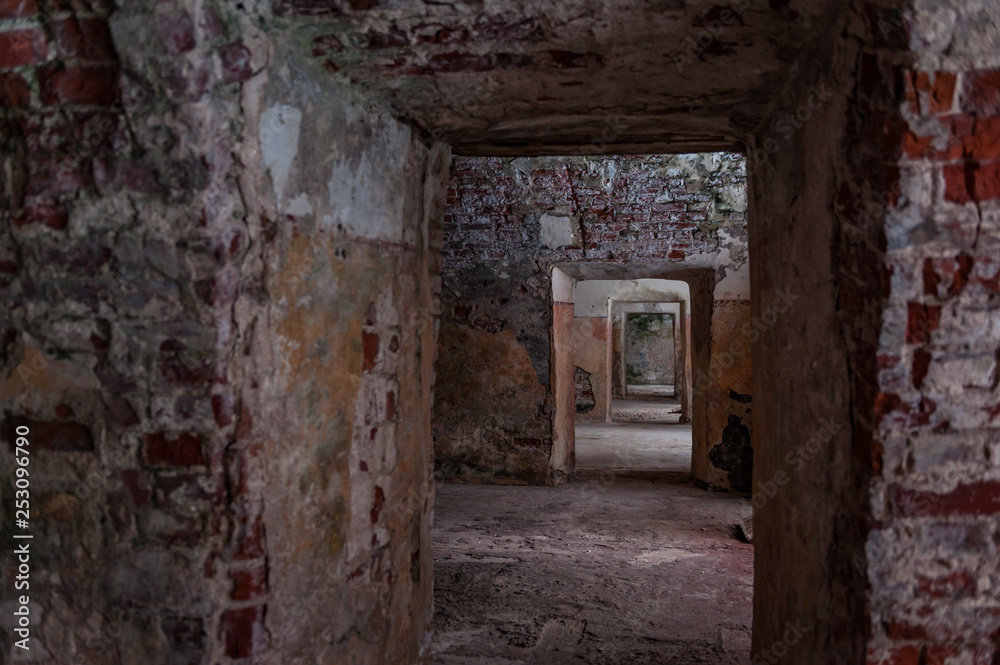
{"points": [[590, 297]]}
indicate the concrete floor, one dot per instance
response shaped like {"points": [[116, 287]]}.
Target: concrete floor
{"points": [[610, 569], [639, 445]]}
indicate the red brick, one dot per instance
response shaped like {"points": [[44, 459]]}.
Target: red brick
{"points": [[369, 344], [14, 91], [885, 403], [961, 130], [981, 92], [983, 141], [938, 92], [942, 92], [921, 321], [932, 277], [181, 450], [248, 534], [972, 181], [958, 584], [977, 498], [973, 654], [938, 654], [235, 63], [57, 436], [910, 91], [960, 278], [19, 48], [887, 361], [243, 631], [917, 147], [904, 630], [921, 362], [17, 8], [53, 215], [908, 655], [249, 584], [84, 38], [86, 84], [378, 502]]}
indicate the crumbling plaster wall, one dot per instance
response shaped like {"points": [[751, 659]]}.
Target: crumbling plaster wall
{"points": [[221, 277], [508, 221], [342, 362]]}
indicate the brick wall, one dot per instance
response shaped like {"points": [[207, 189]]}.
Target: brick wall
{"points": [[202, 492], [120, 269], [629, 211], [935, 496]]}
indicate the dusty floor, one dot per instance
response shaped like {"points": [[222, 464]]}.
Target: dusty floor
{"points": [[610, 569], [639, 445]]}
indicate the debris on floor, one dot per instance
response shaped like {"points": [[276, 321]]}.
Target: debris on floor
{"points": [[745, 528], [626, 571]]}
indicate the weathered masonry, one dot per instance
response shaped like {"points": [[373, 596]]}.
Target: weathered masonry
{"points": [[235, 235], [508, 225]]}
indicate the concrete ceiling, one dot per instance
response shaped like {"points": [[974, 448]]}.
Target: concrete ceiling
{"points": [[517, 77]]}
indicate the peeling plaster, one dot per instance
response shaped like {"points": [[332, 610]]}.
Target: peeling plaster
{"points": [[279, 141], [557, 231], [366, 173]]}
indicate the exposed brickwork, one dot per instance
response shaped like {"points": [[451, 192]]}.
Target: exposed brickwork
{"points": [[114, 208], [936, 491], [639, 215]]}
